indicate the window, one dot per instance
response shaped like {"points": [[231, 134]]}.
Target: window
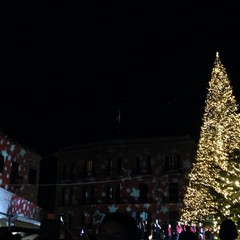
{"points": [[68, 170], [89, 168], [1, 163], [32, 176], [173, 192], [172, 162], [143, 192], [173, 216], [67, 196], [113, 193], [114, 167], [88, 194], [86, 219], [69, 221], [14, 174], [143, 165]]}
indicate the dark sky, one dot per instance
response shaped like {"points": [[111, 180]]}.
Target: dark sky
{"points": [[69, 67]]}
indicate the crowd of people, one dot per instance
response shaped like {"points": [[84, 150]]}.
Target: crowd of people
{"points": [[156, 231], [121, 226]]}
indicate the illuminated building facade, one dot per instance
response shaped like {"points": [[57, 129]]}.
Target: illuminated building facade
{"points": [[19, 173], [145, 177]]}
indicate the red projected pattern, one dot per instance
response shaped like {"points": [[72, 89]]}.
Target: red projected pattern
{"points": [[20, 206], [17, 160]]}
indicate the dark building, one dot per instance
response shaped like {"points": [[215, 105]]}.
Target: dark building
{"points": [[145, 177], [47, 184]]}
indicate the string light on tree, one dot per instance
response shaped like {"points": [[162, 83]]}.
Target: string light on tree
{"points": [[213, 190]]}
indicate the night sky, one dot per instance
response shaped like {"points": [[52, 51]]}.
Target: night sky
{"points": [[69, 67]]}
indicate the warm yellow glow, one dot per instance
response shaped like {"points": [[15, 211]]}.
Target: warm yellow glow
{"points": [[214, 181]]}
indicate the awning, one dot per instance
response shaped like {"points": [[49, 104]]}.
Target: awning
{"points": [[25, 222], [30, 237], [19, 221]]}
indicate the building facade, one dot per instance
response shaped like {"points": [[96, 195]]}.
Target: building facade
{"points": [[145, 177], [19, 173]]}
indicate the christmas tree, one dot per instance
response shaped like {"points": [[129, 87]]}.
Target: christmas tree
{"points": [[213, 174], [230, 182]]}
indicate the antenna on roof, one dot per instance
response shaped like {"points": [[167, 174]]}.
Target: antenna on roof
{"points": [[119, 117]]}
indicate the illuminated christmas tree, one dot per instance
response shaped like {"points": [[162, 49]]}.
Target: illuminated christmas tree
{"points": [[229, 204], [213, 174]]}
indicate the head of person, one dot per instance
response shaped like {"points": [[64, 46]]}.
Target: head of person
{"points": [[118, 226], [228, 230], [188, 235], [17, 237]]}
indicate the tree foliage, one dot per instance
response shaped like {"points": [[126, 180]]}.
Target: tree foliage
{"points": [[214, 181]]}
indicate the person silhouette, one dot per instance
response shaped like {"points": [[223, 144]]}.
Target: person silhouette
{"points": [[228, 230], [156, 229], [188, 234], [118, 226], [178, 230]]}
